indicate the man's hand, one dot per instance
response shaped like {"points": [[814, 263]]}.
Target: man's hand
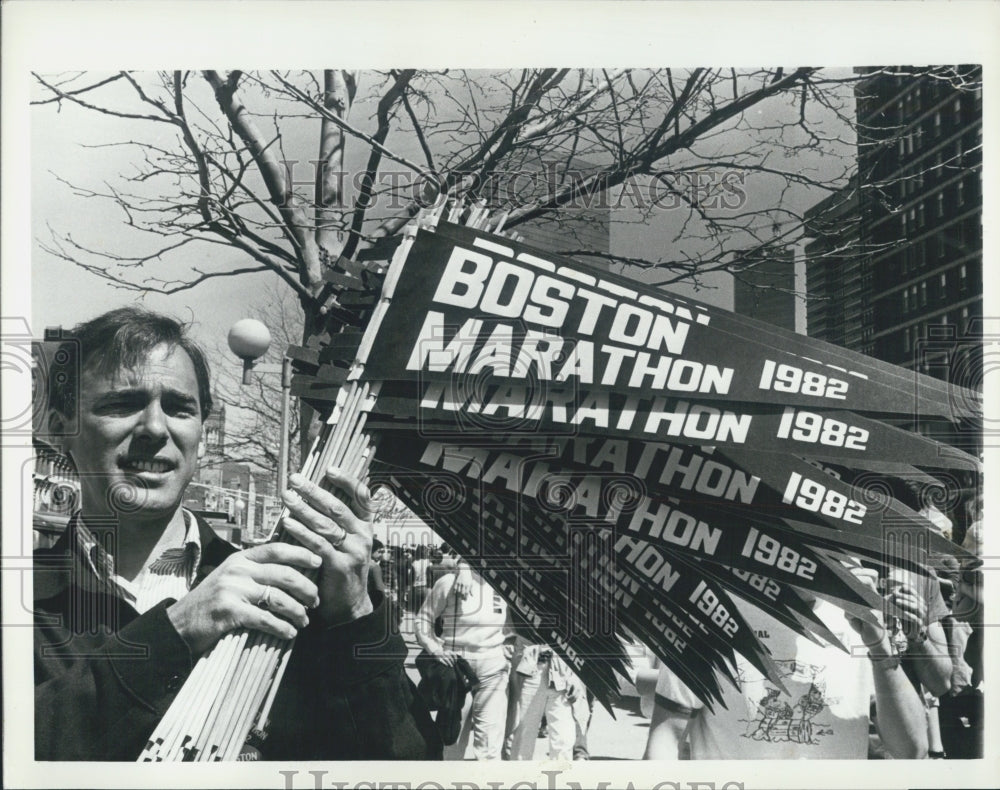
{"points": [[575, 690], [873, 635], [446, 657], [234, 596], [339, 530], [912, 612], [463, 581]]}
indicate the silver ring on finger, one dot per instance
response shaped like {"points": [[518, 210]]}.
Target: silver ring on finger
{"points": [[338, 542], [264, 601]]}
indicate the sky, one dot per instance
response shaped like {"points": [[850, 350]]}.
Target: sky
{"points": [[70, 147]]}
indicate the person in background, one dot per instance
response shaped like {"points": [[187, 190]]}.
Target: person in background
{"points": [[449, 558], [548, 687], [404, 577], [824, 714], [401, 572], [925, 657], [420, 567], [962, 710], [582, 717], [443, 561], [472, 628], [376, 579]]}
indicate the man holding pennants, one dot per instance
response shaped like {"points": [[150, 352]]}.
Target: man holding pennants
{"points": [[137, 588]]}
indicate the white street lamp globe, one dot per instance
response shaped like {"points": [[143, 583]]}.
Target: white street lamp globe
{"points": [[249, 339]]}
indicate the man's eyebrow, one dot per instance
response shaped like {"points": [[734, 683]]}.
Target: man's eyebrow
{"points": [[181, 396], [118, 392]]}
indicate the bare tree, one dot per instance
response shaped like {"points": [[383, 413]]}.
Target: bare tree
{"points": [[279, 168]]}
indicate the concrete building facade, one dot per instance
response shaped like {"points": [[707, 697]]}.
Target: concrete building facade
{"points": [[920, 167]]}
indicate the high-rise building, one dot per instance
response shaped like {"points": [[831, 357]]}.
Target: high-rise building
{"points": [[920, 165], [838, 275], [903, 281], [764, 285]]}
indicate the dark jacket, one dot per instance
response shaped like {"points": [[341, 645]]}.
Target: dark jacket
{"points": [[105, 675]]}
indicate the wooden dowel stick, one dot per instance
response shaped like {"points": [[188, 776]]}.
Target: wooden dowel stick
{"points": [[220, 725], [237, 737], [215, 661], [265, 711], [172, 718], [214, 704], [179, 723], [256, 688], [343, 426]]}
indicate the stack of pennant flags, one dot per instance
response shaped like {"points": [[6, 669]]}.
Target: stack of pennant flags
{"points": [[621, 463]]}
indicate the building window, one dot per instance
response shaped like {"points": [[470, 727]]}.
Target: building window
{"points": [[939, 198], [963, 277], [960, 193], [921, 217], [965, 319], [902, 223], [943, 280], [906, 339], [957, 110], [923, 293], [940, 245], [937, 124], [958, 153]]}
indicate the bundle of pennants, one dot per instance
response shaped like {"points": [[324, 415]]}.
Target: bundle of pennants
{"points": [[620, 463]]}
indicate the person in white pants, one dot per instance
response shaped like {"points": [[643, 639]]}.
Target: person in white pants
{"points": [[473, 617], [548, 688]]}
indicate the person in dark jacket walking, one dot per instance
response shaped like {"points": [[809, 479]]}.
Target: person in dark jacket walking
{"points": [[138, 588]]}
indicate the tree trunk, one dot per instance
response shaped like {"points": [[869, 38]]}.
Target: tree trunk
{"points": [[309, 422]]}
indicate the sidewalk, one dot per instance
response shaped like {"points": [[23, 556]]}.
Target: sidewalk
{"points": [[620, 738]]}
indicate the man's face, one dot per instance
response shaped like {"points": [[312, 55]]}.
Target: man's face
{"points": [[377, 555], [137, 447]]}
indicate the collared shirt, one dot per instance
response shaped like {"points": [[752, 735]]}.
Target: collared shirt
{"points": [[171, 575]]}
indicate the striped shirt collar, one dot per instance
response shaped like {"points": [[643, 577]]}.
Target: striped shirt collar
{"points": [[171, 575]]}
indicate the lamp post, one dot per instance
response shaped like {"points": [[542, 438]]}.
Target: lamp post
{"points": [[249, 339]]}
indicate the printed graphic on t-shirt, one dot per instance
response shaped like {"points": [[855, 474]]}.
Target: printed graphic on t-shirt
{"points": [[803, 716]]}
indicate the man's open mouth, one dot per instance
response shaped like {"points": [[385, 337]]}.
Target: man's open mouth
{"points": [[156, 465]]}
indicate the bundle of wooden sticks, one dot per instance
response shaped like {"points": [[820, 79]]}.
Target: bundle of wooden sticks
{"points": [[231, 689]]}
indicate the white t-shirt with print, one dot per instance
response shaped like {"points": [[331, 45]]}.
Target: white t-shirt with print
{"points": [[824, 715]]}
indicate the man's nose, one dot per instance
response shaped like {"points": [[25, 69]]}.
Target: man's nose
{"points": [[153, 422]]}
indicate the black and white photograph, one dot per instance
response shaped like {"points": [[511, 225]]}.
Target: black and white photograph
{"points": [[498, 395]]}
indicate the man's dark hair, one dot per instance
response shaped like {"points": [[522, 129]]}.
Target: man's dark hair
{"points": [[376, 545], [120, 340]]}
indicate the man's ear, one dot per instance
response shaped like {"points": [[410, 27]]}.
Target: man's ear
{"points": [[59, 429]]}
